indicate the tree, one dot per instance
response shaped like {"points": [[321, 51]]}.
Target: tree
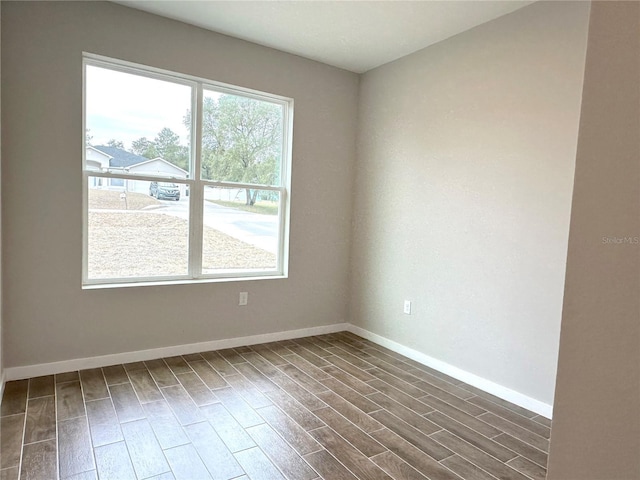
{"points": [[167, 146], [87, 137], [144, 147], [115, 143], [241, 141]]}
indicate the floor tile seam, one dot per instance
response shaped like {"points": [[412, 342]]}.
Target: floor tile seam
{"points": [[540, 423], [164, 399], [86, 415], [456, 408], [403, 461], [41, 396], [215, 371], [40, 441], [443, 390], [353, 425], [294, 354], [516, 438], [239, 392], [408, 365], [472, 429], [126, 444], [486, 453], [294, 450], [197, 375], [300, 370], [55, 405], [344, 383], [521, 472], [15, 414], [24, 430], [117, 421], [164, 450], [74, 417], [296, 423], [499, 445], [224, 405], [378, 392], [213, 366], [463, 385], [68, 381], [469, 461], [86, 402], [338, 460], [516, 425], [516, 458], [353, 355], [94, 469], [513, 413], [520, 454], [285, 390], [418, 399]]}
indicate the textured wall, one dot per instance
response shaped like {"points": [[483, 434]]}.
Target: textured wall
{"points": [[48, 317], [596, 424], [1, 349], [466, 156]]}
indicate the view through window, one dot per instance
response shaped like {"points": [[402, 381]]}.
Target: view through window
{"points": [[184, 178]]}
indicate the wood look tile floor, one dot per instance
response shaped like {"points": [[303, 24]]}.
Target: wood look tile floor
{"points": [[332, 406]]}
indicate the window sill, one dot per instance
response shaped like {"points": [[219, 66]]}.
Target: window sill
{"points": [[190, 281]]}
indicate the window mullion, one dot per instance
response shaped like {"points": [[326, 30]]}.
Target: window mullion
{"points": [[196, 198], [242, 238], [85, 227]]}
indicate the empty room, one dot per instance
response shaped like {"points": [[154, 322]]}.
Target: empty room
{"points": [[320, 240]]}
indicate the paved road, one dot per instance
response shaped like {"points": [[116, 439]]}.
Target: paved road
{"points": [[255, 229]]}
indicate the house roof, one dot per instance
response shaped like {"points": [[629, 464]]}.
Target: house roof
{"points": [[89, 147], [160, 159], [120, 157]]}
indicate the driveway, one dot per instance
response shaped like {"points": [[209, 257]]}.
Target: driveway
{"points": [[252, 228]]}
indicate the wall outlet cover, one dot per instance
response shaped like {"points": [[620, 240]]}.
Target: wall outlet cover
{"points": [[407, 307], [243, 299]]}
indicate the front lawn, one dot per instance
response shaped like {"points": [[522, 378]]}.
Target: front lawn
{"points": [[110, 199], [263, 207], [127, 244]]}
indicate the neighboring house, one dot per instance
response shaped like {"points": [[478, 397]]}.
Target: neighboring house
{"points": [[98, 161], [103, 158]]}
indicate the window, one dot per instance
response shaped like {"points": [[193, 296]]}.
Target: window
{"points": [[184, 178]]}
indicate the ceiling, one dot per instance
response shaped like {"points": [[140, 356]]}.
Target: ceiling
{"points": [[354, 35]]}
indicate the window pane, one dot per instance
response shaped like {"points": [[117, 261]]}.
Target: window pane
{"points": [[136, 124], [241, 139], [132, 234], [239, 234]]}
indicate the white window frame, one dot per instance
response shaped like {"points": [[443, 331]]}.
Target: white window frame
{"points": [[195, 183]]}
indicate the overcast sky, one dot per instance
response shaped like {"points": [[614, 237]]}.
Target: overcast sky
{"points": [[126, 107]]}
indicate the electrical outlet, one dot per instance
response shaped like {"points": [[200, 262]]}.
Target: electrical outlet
{"points": [[244, 299], [407, 307]]}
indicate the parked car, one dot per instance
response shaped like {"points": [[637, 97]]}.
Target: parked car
{"points": [[164, 190]]}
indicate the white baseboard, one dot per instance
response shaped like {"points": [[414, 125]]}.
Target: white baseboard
{"points": [[29, 371], [488, 386], [17, 373]]}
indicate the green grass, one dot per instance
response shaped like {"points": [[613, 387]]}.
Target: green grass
{"points": [[264, 208]]}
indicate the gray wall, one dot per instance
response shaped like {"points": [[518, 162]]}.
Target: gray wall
{"points": [[466, 156], [1, 349], [596, 424], [48, 317]]}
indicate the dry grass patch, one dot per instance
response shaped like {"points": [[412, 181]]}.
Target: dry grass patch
{"points": [[145, 244]]}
